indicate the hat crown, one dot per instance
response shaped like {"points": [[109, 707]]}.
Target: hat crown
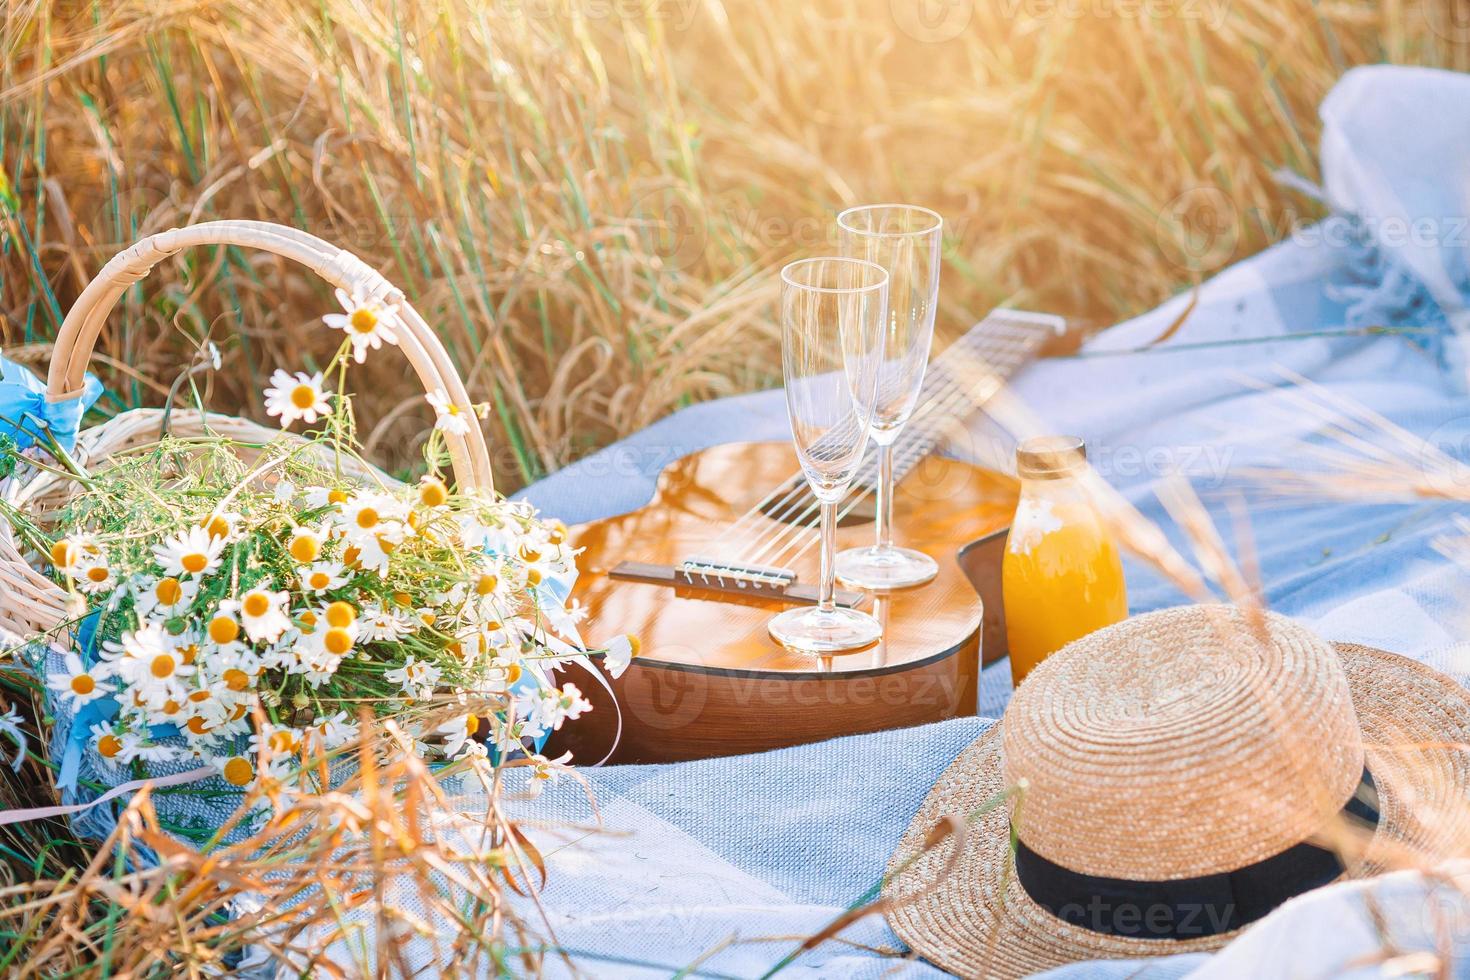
{"points": [[1181, 743]]}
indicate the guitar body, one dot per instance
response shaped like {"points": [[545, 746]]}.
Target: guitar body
{"points": [[709, 681]]}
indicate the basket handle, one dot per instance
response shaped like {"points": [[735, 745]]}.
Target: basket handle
{"points": [[469, 454]]}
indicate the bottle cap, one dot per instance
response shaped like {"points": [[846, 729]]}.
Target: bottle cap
{"points": [[1050, 457]]}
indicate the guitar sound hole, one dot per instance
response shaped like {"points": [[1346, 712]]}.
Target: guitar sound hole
{"points": [[796, 505]]}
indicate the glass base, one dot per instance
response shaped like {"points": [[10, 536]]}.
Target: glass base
{"points": [[811, 630], [884, 568]]}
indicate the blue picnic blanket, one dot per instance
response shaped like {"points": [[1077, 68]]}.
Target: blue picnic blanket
{"points": [[723, 865]]}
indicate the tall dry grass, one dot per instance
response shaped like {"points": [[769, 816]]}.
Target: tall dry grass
{"points": [[587, 196]]}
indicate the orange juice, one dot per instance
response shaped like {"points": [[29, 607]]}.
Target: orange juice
{"points": [[1061, 577]]}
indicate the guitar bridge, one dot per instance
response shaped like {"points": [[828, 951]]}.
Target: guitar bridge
{"points": [[707, 572], [737, 581]]}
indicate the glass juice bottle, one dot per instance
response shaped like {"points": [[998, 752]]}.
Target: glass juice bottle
{"points": [[1061, 577]]}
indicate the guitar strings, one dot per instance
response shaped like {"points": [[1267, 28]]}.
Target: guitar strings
{"points": [[809, 519], [1011, 346], [912, 450], [807, 530]]}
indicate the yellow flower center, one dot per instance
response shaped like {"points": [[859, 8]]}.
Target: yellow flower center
{"points": [[239, 772], [533, 577], [635, 645], [236, 679], [512, 673], [350, 556], [199, 697], [367, 517], [341, 615], [305, 547], [197, 725], [385, 546], [162, 666], [109, 746], [170, 707], [337, 641], [433, 493], [169, 591], [63, 553], [364, 319], [83, 684], [223, 629], [303, 396], [319, 580], [337, 497], [194, 563], [471, 725], [281, 741], [256, 604], [189, 652], [97, 573], [486, 584], [215, 526]]}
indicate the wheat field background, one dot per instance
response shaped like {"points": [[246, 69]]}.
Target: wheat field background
{"points": [[588, 197]]}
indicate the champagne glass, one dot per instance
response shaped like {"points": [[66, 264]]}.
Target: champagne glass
{"points": [[905, 241], [833, 312]]}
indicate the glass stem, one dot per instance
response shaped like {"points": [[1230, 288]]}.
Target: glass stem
{"points": [[885, 496], [827, 593]]}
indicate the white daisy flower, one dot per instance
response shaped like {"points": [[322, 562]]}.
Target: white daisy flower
{"points": [[416, 678], [153, 669], [108, 743], [323, 576], [298, 398], [619, 654], [337, 730], [78, 685], [368, 323], [274, 740], [164, 598], [552, 707], [381, 623], [96, 576], [318, 498], [193, 552], [262, 613], [72, 554], [284, 492], [222, 525], [448, 417], [459, 734], [135, 748], [304, 545], [364, 516], [373, 554]]}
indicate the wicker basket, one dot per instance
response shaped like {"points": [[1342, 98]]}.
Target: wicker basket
{"points": [[29, 601]]}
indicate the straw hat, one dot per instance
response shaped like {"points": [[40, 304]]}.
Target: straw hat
{"points": [[1171, 779]]}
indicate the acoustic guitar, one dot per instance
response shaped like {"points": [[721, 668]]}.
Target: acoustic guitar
{"points": [[730, 539]]}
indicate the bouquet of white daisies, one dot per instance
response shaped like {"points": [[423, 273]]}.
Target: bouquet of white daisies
{"points": [[241, 613]]}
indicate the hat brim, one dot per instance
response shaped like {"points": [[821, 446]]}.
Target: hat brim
{"points": [[966, 912]]}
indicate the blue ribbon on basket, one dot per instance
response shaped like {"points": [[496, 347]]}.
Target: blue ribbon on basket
{"points": [[26, 414]]}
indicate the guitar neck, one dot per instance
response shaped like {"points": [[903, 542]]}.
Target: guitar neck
{"points": [[962, 378]]}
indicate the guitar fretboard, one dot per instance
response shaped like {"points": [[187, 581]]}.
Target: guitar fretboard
{"points": [[961, 379]]}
